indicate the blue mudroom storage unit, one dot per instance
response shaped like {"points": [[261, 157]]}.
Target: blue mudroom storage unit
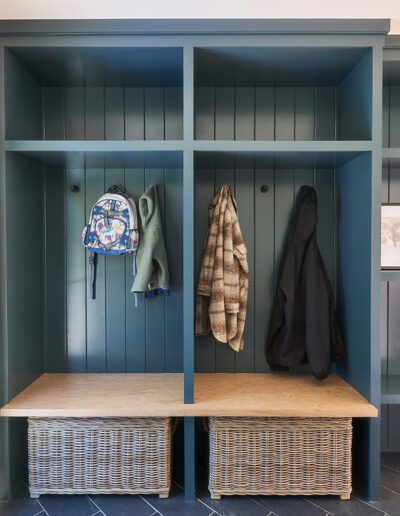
{"points": [[265, 106], [390, 393]]}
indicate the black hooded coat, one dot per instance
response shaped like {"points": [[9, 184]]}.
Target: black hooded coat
{"points": [[304, 326]]}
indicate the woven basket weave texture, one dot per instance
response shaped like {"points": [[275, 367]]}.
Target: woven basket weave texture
{"points": [[93, 455], [280, 456]]}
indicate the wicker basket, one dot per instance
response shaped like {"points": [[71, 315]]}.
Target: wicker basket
{"points": [[113, 456], [280, 456]]}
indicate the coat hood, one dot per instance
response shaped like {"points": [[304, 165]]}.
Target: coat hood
{"points": [[149, 208]]}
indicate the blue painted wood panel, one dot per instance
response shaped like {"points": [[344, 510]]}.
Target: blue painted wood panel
{"points": [[273, 113], [264, 219], [110, 333]]}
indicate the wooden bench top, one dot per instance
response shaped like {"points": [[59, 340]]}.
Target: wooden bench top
{"points": [[219, 394]]}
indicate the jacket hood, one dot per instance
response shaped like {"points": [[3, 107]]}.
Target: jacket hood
{"points": [[149, 207]]}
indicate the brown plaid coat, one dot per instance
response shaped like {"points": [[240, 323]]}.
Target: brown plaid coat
{"points": [[222, 290]]}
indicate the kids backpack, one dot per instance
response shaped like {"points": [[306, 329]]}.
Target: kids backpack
{"points": [[112, 230]]}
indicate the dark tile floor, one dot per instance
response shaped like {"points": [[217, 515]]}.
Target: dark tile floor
{"points": [[49, 505]]}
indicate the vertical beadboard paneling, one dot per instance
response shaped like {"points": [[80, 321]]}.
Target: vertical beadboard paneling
{"points": [[134, 113], [94, 113], [95, 308], [173, 99], [264, 266], [205, 345], [244, 114], [284, 113], [76, 270], [224, 113], [135, 316], [55, 270], [394, 118], [385, 115], [74, 98], [115, 310], [304, 113], [116, 113], [265, 113], [53, 113], [154, 114], [174, 246], [204, 113]]}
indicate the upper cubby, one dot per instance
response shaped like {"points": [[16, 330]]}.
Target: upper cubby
{"points": [[94, 93], [283, 93]]}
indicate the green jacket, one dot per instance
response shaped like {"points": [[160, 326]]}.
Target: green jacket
{"points": [[151, 262]]}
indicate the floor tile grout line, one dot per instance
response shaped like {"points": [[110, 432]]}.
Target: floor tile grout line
{"points": [[95, 513], [315, 505], [208, 507], [369, 505], [43, 509], [37, 513], [394, 470], [262, 505], [391, 490], [97, 506], [156, 511]]}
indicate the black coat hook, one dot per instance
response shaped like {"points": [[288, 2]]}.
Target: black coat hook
{"points": [[74, 188], [264, 188]]}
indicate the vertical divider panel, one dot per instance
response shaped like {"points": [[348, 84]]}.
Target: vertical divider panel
{"points": [[115, 282], [95, 308], [76, 269], [135, 317], [188, 266]]}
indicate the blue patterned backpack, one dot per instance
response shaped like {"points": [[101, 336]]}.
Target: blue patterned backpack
{"points": [[112, 229]]}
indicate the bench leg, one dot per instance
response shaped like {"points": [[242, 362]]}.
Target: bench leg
{"points": [[215, 496], [345, 496]]}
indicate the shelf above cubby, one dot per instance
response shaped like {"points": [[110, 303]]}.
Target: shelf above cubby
{"points": [[390, 389], [216, 394], [60, 152], [390, 276], [278, 154]]}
